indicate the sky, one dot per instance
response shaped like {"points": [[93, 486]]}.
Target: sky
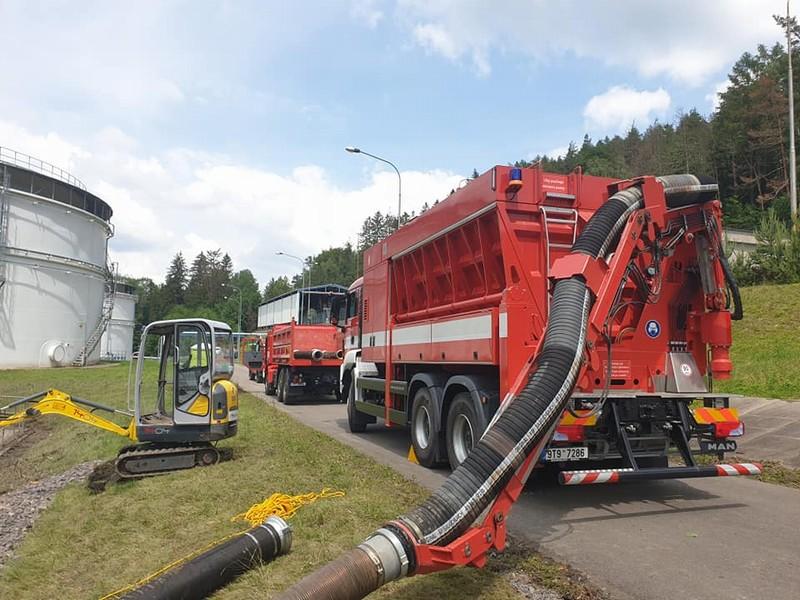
{"points": [[223, 124]]}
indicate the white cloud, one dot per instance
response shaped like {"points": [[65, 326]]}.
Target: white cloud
{"points": [[714, 96], [185, 200], [557, 152], [367, 12], [686, 40], [617, 109]]}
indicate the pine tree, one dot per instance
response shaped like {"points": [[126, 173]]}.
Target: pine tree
{"points": [[176, 281]]}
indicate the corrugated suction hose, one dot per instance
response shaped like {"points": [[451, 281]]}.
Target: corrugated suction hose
{"points": [[523, 423], [199, 577]]}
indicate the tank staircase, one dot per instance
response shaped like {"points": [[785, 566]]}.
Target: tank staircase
{"points": [[102, 323], [4, 209]]}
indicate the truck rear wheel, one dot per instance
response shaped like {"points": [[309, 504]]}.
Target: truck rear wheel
{"points": [[287, 398], [356, 421], [462, 429], [280, 386], [269, 388], [424, 430]]}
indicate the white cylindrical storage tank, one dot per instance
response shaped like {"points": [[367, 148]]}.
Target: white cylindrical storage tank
{"points": [[54, 282], [117, 340]]}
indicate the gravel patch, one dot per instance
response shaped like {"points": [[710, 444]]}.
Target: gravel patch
{"points": [[526, 587], [20, 508]]}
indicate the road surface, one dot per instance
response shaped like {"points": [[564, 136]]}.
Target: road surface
{"points": [[727, 538]]}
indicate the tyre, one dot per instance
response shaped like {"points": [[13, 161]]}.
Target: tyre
{"points": [[251, 376], [356, 421], [284, 391], [425, 427], [269, 388], [280, 385], [464, 429]]}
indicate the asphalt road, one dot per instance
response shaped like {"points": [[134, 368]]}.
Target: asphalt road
{"points": [[728, 538]]}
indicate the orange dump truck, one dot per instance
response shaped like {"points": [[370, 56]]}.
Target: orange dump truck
{"points": [[303, 350]]}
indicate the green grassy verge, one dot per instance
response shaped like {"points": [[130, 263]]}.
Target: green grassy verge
{"points": [[58, 442], [85, 545], [766, 344]]}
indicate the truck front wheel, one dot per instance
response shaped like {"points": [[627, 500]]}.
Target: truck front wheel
{"points": [[424, 432], [356, 421], [462, 429]]}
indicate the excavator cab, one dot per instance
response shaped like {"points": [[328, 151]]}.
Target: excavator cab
{"points": [[186, 395]]}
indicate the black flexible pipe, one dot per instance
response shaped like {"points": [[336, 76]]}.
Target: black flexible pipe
{"points": [[521, 423], [201, 576]]}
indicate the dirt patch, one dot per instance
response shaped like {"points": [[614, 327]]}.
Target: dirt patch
{"points": [[12, 464], [20, 508]]}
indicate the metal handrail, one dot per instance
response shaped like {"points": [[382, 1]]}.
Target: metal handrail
{"points": [[20, 159]]}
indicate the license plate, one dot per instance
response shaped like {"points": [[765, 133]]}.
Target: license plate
{"points": [[718, 446], [566, 454]]}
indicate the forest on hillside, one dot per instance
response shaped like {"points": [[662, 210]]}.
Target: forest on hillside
{"points": [[742, 144]]}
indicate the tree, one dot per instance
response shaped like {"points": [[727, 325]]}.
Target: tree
{"points": [[275, 287], [174, 290], [197, 288]]}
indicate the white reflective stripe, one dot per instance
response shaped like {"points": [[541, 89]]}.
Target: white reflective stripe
{"points": [[729, 470], [461, 330], [503, 325], [478, 327], [754, 469], [414, 334]]}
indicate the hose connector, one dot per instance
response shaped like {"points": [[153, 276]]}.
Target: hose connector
{"points": [[317, 354], [282, 531], [387, 552]]}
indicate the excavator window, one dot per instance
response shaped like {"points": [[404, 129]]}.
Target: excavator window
{"points": [[192, 362]]}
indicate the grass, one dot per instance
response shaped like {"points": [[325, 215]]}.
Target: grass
{"points": [[85, 545], [766, 344], [773, 471], [59, 442]]}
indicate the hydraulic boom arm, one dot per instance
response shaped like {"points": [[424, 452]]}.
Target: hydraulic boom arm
{"points": [[60, 403]]}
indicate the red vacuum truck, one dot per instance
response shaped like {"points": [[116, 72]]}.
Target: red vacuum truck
{"points": [[302, 352], [531, 317]]}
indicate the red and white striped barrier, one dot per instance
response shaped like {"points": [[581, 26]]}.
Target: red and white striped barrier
{"points": [[620, 475], [739, 469]]}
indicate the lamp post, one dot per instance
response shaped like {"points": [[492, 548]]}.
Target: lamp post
{"points": [[792, 157], [239, 322], [354, 150], [303, 279]]}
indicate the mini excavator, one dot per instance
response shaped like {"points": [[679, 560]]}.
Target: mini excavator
{"points": [[180, 407]]}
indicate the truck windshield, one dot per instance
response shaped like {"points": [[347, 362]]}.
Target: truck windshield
{"points": [[223, 354]]}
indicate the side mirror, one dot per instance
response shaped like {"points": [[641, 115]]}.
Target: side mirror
{"points": [[204, 385]]}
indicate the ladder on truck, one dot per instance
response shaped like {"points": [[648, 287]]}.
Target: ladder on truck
{"points": [[555, 216], [102, 323]]}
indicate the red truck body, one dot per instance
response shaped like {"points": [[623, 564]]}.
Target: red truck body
{"points": [[452, 307], [303, 358]]}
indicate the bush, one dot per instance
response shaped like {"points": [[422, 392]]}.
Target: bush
{"points": [[777, 258]]}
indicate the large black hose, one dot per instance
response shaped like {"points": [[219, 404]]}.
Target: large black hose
{"points": [[201, 576], [520, 425]]}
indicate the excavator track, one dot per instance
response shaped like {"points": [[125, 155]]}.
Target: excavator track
{"points": [[146, 461]]}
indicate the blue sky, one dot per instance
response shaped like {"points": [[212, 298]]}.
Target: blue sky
{"points": [[210, 124]]}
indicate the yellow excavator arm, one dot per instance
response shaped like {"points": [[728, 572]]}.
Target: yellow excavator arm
{"points": [[56, 402]]}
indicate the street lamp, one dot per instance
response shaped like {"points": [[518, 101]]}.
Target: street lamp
{"points": [[354, 150], [239, 322], [303, 278]]}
